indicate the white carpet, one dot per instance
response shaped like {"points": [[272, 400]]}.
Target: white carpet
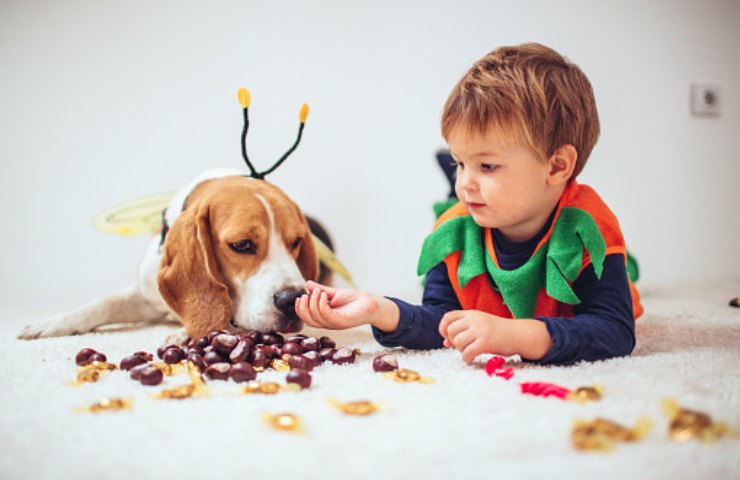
{"points": [[466, 425]]}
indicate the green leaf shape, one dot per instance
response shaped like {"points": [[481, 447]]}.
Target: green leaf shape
{"points": [[457, 234]]}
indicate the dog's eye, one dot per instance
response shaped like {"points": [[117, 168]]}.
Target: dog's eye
{"points": [[296, 243], [244, 246]]}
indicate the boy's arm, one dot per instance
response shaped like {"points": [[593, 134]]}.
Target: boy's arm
{"points": [[418, 325], [603, 324]]}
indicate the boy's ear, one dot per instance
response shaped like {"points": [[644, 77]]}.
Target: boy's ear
{"points": [[562, 163]]}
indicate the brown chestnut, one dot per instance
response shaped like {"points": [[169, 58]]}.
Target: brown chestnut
{"points": [[342, 356], [300, 377], [326, 353], [151, 376], [132, 361], [241, 351], [164, 348], [385, 363], [135, 372], [242, 372], [218, 371], [197, 360], [313, 356], [310, 344], [214, 334], [212, 357], [272, 338], [98, 357], [83, 356], [224, 342], [300, 362], [173, 355], [259, 358], [146, 355], [291, 348], [327, 342]]}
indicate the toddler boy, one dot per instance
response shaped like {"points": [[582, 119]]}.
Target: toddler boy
{"points": [[529, 261]]}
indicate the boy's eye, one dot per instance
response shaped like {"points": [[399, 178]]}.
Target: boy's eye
{"points": [[488, 167], [457, 164]]}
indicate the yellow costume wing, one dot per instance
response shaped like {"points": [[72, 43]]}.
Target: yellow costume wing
{"points": [[142, 216]]}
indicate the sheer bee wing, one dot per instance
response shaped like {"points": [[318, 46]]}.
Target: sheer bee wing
{"points": [[140, 216]]}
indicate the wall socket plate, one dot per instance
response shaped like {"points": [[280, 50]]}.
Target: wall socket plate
{"points": [[705, 100]]}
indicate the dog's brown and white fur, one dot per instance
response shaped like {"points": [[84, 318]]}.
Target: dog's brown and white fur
{"points": [[236, 256]]}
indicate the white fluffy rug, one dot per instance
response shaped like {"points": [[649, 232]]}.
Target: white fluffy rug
{"points": [[466, 425]]}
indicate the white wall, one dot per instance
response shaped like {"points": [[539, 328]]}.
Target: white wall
{"points": [[103, 101]]}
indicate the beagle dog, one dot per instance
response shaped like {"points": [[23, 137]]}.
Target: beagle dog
{"points": [[234, 254]]}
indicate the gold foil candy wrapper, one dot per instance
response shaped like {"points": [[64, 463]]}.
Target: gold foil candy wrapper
{"points": [[265, 388], [108, 404], [87, 375], [404, 375], [359, 407], [285, 422], [102, 366], [586, 394], [176, 393], [170, 369], [196, 376], [600, 434], [91, 373], [280, 365], [197, 386], [687, 424]]}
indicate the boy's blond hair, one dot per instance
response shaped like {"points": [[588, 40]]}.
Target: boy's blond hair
{"points": [[528, 93]]}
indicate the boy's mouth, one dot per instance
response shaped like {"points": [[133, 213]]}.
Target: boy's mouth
{"points": [[475, 206]]}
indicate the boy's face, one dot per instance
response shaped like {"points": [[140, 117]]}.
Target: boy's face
{"points": [[504, 185]]}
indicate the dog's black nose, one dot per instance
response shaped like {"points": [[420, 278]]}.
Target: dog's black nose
{"points": [[285, 300]]}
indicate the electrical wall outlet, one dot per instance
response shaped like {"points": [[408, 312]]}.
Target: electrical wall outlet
{"points": [[705, 100]]}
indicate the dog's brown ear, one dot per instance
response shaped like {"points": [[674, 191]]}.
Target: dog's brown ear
{"points": [[308, 260], [189, 277]]}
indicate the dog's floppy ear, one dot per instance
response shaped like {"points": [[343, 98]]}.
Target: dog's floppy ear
{"points": [[189, 277], [308, 260]]}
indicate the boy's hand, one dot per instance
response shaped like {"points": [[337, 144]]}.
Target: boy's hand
{"points": [[333, 308], [473, 332]]}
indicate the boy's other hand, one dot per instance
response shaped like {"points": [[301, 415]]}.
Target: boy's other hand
{"points": [[473, 332]]}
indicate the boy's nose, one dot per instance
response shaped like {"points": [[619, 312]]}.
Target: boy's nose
{"points": [[466, 181]]}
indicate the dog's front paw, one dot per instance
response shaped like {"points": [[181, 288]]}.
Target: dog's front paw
{"points": [[180, 338], [49, 328]]}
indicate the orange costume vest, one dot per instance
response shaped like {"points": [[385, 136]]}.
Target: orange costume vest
{"points": [[583, 232]]}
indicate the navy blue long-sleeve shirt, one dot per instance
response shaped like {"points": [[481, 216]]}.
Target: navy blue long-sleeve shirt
{"points": [[602, 326]]}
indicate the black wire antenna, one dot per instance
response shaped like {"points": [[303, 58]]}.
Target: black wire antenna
{"points": [[244, 100]]}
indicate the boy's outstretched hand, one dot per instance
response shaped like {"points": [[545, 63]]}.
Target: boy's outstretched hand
{"points": [[339, 308], [473, 332]]}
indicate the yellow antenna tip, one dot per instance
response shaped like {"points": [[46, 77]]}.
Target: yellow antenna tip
{"points": [[244, 97], [304, 113]]}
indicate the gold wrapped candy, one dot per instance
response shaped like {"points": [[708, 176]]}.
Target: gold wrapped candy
{"points": [[87, 375], [404, 375], [170, 369], [266, 388], [286, 422], [108, 404], [687, 424], [600, 434], [359, 407], [585, 394], [91, 373], [280, 365]]}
